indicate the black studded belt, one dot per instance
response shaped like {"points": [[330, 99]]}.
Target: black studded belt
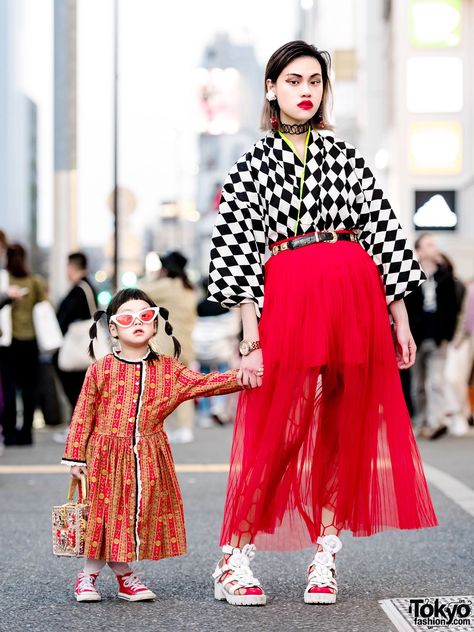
{"points": [[329, 237]]}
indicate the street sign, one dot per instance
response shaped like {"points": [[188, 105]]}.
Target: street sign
{"points": [[435, 210]]}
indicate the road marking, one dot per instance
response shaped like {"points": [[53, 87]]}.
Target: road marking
{"points": [[456, 491], [185, 468], [451, 487]]}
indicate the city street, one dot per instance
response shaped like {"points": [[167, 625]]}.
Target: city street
{"points": [[36, 589]]}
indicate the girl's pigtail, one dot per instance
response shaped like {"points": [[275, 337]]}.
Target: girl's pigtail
{"points": [[93, 332], [177, 347], [164, 313]]}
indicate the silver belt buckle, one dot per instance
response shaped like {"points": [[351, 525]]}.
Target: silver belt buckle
{"points": [[333, 238]]}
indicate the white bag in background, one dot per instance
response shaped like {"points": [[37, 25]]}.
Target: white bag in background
{"points": [[74, 353], [47, 330], [5, 313]]}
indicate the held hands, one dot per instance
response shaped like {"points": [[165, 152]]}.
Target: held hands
{"points": [[405, 347], [250, 374], [77, 470]]}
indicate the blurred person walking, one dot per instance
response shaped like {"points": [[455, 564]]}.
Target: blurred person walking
{"points": [[116, 439], [20, 360], [76, 305], [459, 372], [433, 312], [215, 341], [174, 291], [326, 443], [8, 294]]}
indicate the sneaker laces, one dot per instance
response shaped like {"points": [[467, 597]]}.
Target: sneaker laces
{"points": [[133, 582], [86, 582]]}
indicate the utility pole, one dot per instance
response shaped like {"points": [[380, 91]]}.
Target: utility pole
{"points": [[115, 193], [65, 157]]}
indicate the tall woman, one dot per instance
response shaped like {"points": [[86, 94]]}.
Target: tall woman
{"points": [[326, 443]]}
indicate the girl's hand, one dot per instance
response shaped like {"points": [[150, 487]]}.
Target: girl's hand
{"points": [[405, 347], [250, 374], [78, 470]]}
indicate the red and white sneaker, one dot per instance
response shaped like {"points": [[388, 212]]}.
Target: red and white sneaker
{"points": [[132, 589], [322, 584], [85, 589]]}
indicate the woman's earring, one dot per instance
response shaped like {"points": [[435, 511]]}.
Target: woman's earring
{"points": [[320, 121], [274, 121], [270, 96]]}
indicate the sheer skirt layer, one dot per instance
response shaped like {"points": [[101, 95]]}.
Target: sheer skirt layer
{"points": [[326, 442]]}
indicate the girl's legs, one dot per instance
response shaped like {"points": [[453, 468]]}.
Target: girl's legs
{"points": [[85, 589], [92, 567], [120, 568]]}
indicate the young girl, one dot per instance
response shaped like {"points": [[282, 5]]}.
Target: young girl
{"points": [[117, 439], [326, 443]]}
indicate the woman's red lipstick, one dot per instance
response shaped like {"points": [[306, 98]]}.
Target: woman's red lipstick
{"points": [[305, 105]]}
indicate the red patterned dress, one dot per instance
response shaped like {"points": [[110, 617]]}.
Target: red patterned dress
{"points": [[136, 509]]}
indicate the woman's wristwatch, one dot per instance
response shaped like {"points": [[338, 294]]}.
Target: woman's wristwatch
{"points": [[247, 347]]}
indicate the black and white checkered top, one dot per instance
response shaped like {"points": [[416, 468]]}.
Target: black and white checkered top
{"points": [[259, 206]]}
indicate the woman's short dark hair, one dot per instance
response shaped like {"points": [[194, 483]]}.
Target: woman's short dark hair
{"points": [[78, 260], [275, 66], [16, 261]]}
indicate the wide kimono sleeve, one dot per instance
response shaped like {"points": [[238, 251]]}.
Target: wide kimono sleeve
{"points": [[238, 242], [190, 384], [382, 236], [83, 420]]}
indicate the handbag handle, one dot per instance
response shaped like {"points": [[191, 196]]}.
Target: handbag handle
{"points": [[82, 490], [86, 288]]}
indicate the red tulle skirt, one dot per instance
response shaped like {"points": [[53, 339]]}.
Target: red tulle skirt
{"points": [[327, 440]]}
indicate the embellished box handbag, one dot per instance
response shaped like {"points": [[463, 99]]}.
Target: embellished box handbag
{"points": [[69, 522]]}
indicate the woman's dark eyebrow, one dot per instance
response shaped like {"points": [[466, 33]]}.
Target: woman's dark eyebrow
{"points": [[295, 74]]}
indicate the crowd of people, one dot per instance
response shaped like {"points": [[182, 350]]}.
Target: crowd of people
{"points": [[32, 379]]}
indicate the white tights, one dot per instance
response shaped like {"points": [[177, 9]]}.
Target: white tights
{"points": [[95, 566]]}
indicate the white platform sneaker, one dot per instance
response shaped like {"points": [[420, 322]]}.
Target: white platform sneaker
{"points": [[322, 585], [238, 575]]}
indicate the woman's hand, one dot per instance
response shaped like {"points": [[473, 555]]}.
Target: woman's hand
{"points": [[250, 374], [405, 347], [78, 470]]}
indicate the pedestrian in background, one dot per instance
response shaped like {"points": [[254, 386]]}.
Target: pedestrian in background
{"points": [[8, 294], [326, 443], [215, 340], [174, 291], [74, 306], [459, 371], [433, 311], [20, 360], [116, 439]]}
